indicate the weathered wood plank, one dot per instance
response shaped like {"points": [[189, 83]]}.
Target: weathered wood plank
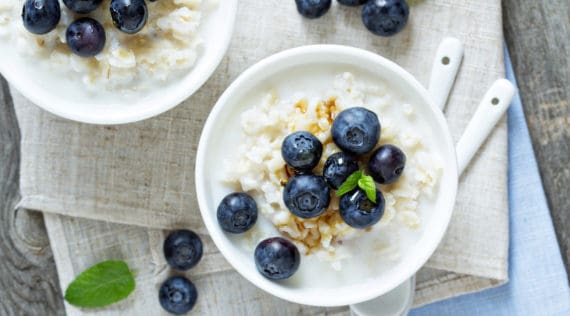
{"points": [[28, 278], [538, 36]]}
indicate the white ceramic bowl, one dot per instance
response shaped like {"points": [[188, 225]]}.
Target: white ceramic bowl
{"points": [[69, 99], [221, 132]]}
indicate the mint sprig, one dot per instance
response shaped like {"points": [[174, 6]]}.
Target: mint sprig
{"points": [[358, 179], [350, 183], [100, 285], [366, 183]]}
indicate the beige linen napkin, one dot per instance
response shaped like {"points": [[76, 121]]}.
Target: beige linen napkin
{"points": [[142, 174]]}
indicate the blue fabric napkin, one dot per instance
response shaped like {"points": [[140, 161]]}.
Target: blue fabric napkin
{"points": [[538, 283]]}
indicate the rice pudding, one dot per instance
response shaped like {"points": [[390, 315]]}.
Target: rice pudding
{"points": [[167, 46], [259, 169]]}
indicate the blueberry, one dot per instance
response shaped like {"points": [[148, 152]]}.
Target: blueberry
{"points": [[129, 16], [385, 17], [358, 211], [177, 295], [85, 37], [356, 130], [237, 213], [387, 164], [277, 258], [313, 9], [182, 249], [82, 6], [338, 167], [352, 3], [41, 16], [302, 150], [307, 195]]}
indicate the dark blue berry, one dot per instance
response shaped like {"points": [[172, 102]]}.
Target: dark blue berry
{"points": [[313, 9], [338, 167], [177, 295], [41, 16], [82, 6], [237, 213], [352, 3], [356, 130], [129, 16], [277, 258], [387, 164], [182, 249], [358, 211], [302, 150], [85, 37], [385, 17], [307, 195]]}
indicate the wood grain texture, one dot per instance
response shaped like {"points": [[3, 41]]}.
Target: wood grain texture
{"points": [[28, 279], [538, 36]]}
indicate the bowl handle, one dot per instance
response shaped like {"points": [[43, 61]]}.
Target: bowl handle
{"points": [[444, 70], [394, 303], [490, 110]]}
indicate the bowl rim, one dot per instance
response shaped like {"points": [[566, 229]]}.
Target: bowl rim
{"points": [[46, 100], [358, 293]]}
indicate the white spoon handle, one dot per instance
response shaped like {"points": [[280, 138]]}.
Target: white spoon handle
{"points": [[444, 69], [490, 110]]}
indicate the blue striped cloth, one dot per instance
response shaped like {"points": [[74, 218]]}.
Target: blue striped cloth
{"points": [[538, 284]]}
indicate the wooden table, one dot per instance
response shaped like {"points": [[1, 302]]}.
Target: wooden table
{"points": [[538, 37]]}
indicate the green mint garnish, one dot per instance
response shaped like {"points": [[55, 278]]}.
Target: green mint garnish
{"points": [[366, 183], [359, 179], [350, 183], [100, 285]]}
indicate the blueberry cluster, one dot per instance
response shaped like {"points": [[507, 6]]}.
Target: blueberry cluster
{"points": [[356, 131], [381, 17], [84, 36], [182, 250]]}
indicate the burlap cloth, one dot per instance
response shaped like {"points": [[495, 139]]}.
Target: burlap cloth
{"points": [[119, 186]]}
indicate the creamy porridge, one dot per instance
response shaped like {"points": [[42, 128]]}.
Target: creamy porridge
{"points": [[167, 45], [260, 170]]}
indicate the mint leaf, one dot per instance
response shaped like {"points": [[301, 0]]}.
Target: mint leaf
{"points": [[350, 183], [102, 284], [367, 184]]}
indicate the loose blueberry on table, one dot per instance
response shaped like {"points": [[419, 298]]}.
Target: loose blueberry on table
{"points": [[302, 150], [352, 3], [385, 17], [85, 37], [313, 9], [338, 167], [387, 164], [182, 249], [129, 16], [307, 195], [177, 295], [356, 130], [277, 258], [237, 213], [82, 6], [41, 16], [360, 212]]}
